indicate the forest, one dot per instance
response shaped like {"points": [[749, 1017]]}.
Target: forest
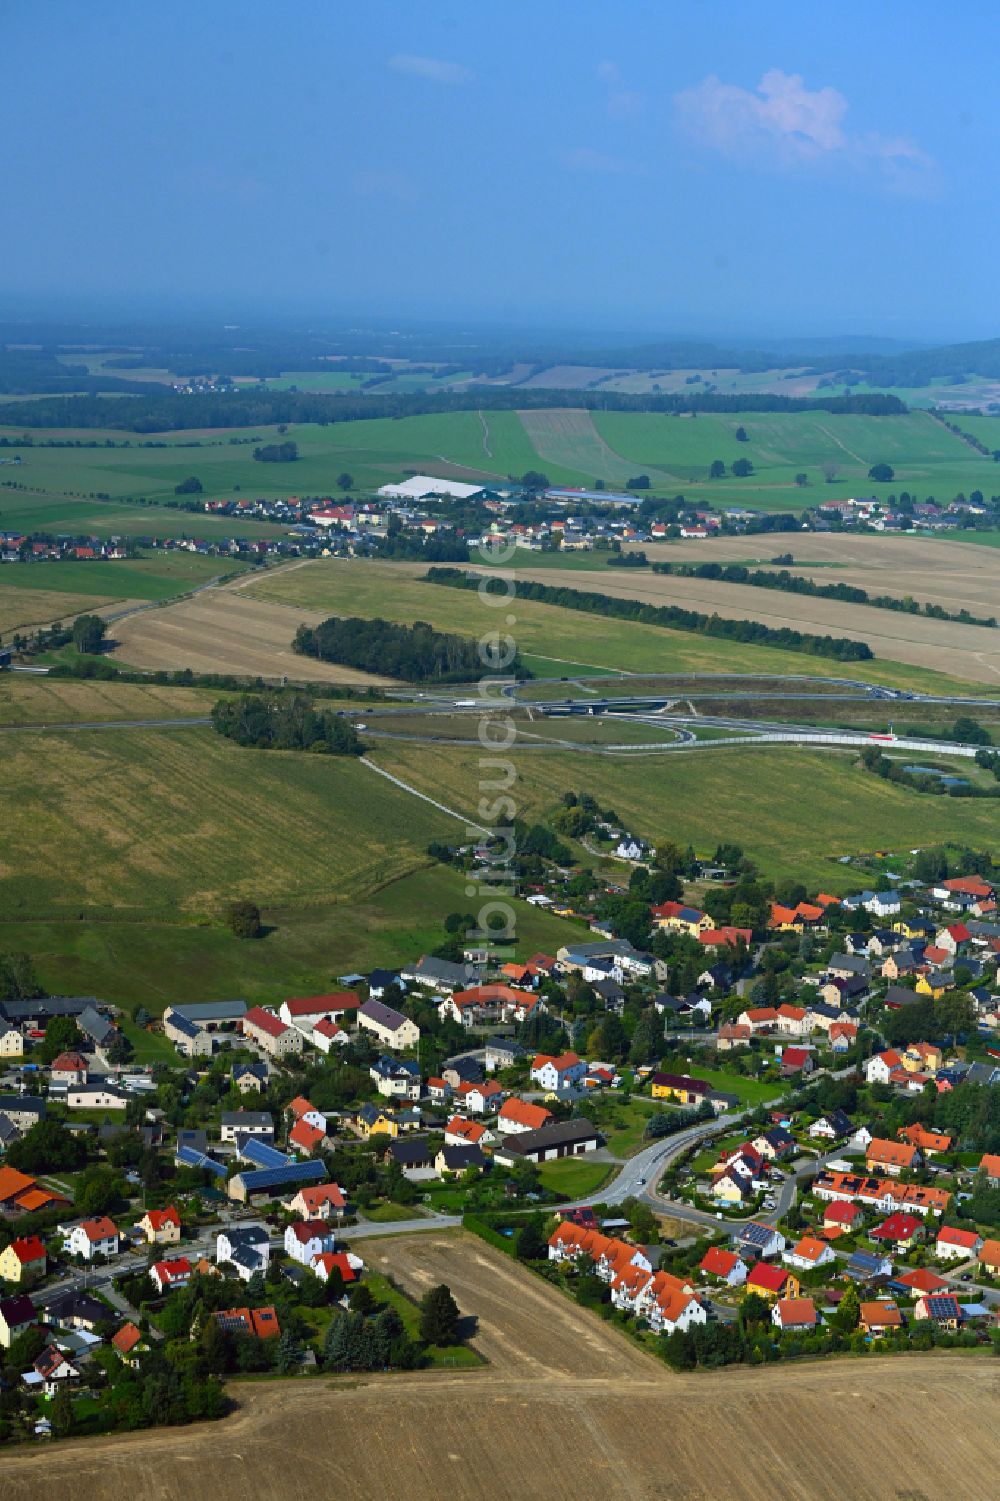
{"points": [[416, 653]]}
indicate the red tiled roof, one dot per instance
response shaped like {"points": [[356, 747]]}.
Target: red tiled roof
{"points": [[524, 1113], [264, 1021]]}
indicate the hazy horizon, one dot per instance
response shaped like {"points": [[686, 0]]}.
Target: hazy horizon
{"points": [[558, 168]]}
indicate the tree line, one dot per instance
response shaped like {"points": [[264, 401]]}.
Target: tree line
{"points": [[416, 653], [672, 617], [171, 412], [796, 583]]}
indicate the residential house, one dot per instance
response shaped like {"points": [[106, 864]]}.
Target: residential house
{"points": [[254, 1323], [23, 1260], [956, 1244], [928, 1143], [726, 1265], [461, 1132], [676, 917], [480, 1099], [94, 1237], [318, 1201], [346, 1263], [880, 1317], [327, 1035], [392, 1028], [305, 1139], [680, 1087], [554, 1073], [759, 1241], [771, 1282], [250, 1078], [306, 1012], [307, 1239], [775, 1144], [372, 1120], [271, 1034], [794, 1315], [868, 1266], [169, 1275], [989, 1257], [258, 1123], [396, 1078], [51, 1371], [796, 1061], [17, 1314], [891, 1157], [841, 1216], [521, 1115], [161, 1227], [879, 1068], [942, 1309], [246, 1247], [808, 1253], [900, 1231], [129, 1344], [835, 1126], [732, 1035], [459, 1159], [68, 1068], [990, 1165]]}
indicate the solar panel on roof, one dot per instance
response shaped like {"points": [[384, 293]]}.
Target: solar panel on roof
{"points": [[276, 1177], [188, 1157], [253, 1149]]}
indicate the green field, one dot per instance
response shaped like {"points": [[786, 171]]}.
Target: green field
{"points": [[795, 811], [40, 700], [57, 487], [557, 641]]}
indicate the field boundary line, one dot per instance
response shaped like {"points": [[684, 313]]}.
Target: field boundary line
{"points": [[414, 792]]}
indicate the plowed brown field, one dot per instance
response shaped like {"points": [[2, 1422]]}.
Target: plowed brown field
{"points": [[566, 1408]]}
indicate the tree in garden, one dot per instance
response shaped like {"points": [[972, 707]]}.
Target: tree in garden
{"points": [[243, 919], [62, 1413], [287, 1355], [361, 1299], [531, 1244], [439, 1317], [849, 1311]]}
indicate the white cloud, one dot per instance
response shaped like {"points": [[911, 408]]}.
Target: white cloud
{"points": [[787, 122], [432, 68], [585, 159], [621, 101]]}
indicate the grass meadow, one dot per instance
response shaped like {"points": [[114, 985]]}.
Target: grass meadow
{"points": [[794, 811]]}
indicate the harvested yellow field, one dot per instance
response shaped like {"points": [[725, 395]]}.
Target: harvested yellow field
{"points": [[565, 1405], [939, 571], [967, 651], [227, 630]]}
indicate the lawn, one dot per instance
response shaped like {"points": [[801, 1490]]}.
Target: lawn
{"points": [[569, 640], [155, 961], [575, 1177], [795, 811], [750, 1091], [386, 1213]]}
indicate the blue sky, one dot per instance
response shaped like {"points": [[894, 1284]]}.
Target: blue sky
{"points": [[692, 166]]}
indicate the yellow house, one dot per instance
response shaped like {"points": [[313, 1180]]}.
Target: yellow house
{"points": [[680, 1087], [22, 1259], [11, 1042], [371, 1121], [931, 985], [922, 1058], [675, 917], [161, 1227], [910, 927]]}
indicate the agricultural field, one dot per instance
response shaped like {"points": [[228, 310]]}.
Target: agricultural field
{"points": [[562, 1395], [58, 487], [559, 641], [35, 594], [916, 641], [795, 811], [160, 821], [39, 700], [228, 630]]}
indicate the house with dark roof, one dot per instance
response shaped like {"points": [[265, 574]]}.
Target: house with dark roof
{"points": [[392, 1028], [560, 1139]]}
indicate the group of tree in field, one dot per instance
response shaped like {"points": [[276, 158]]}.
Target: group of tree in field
{"points": [[795, 583], [874, 761], [284, 721], [672, 617], [277, 453], [416, 653]]}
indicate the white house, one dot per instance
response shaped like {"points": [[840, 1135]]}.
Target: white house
{"points": [[879, 1067], [958, 1245], [90, 1238], [557, 1073], [246, 1247], [95, 1099], [327, 1035], [392, 1028], [168, 1275], [306, 1239]]}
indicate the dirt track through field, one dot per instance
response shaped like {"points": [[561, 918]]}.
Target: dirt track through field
{"points": [[227, 630], [566, 1407]]}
